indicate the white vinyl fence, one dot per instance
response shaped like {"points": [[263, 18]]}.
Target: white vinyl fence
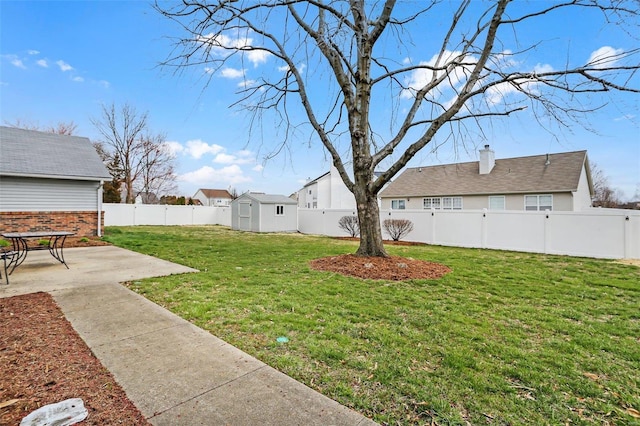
{"points": [[600, 233], [153, 214]]}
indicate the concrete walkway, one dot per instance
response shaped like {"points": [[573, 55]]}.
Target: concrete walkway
{"points": [[173, 371]]}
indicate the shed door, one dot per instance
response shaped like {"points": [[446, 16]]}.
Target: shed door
{"points": [[244, 215]]}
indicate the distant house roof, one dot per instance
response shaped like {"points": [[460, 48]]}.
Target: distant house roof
{"points": [[561, 173], [216, 193], [30, 153], [269, 198], [311, 182]]}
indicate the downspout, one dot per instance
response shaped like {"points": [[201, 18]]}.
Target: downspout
{"points": [[99, 230]]}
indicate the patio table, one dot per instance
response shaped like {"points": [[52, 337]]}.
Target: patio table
{"points": [[19, 240]]}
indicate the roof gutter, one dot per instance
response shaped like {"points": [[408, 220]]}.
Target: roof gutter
{"points": [[61, 177]]}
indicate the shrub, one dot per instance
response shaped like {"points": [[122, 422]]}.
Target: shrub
{"points": [[350, 225], [397, 228]]}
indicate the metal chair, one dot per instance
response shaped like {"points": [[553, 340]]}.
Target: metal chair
{"points": [[7, 255]]}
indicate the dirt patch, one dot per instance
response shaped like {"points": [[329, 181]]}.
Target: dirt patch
{"points": [[392, 268], [634, 262], [44, 361]]}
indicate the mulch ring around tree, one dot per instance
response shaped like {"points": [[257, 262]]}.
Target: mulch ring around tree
{"points": [[393, 268]]}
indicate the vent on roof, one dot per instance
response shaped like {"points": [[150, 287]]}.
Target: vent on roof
{"points": [[546, 163]]}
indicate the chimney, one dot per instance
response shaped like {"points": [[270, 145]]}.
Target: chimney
{"points": [[487, 160]]}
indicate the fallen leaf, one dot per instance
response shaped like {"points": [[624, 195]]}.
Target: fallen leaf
{"points": [[8, 403], [591, 376], [633, 413]]}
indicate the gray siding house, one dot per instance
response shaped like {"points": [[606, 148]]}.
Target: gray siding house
{"points": [[560, 182], [257, 212], [50, 182]]}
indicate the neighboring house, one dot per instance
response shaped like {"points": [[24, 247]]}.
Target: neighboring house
{"points": [[50, 182], [258, 212], [326, 192], [213, 197], [559, 181]]}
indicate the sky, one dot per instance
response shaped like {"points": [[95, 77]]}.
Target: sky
{"points": [[60, 61]]}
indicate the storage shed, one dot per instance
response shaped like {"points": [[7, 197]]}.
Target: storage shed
{"points": [[258, 212], [50, 182]]}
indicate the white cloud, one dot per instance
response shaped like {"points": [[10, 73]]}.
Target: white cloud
{"points": [[209, 70], [15, 61], [605, 57], [197, 148], [221, 45], [625, 117], [43, 63], [33, 52], [258, 57], [230, 175], [173, 147], [242, 157], [231, 73], [18, 63], [258, 168], [78, 79], [246, 83], [104, 83], [64, 66], [421, 77]]}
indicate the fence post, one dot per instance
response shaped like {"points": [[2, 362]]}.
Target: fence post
{"points": [[433, 225], [483, 229], [626, 238], [546, 232]]}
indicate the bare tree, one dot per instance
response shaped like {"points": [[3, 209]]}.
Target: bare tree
{"points": [[350, 225], [604, 195], [350, 49], [397, 228], [233, 192], [146, 165], [62, 128], [157, 175]]}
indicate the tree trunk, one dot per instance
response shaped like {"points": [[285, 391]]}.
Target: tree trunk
{"points": [[369, 218]]}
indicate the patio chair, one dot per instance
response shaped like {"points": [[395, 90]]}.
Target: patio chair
{"points": [[7, 256]]}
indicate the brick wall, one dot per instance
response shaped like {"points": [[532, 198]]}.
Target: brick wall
{"points": [[84, 224]]}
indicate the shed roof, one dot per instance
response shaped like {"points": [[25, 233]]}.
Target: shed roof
{"points": [[32, 153], [561, 173], [269, 198]]}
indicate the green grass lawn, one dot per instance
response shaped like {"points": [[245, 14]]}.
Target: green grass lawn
{"points": [[505, 338]]}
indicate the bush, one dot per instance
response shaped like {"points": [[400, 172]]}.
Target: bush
{"points": [[397, 228], [350, 225]]}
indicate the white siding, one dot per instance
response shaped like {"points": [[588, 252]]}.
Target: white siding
{"points": [[32, 194], [582, 197]]}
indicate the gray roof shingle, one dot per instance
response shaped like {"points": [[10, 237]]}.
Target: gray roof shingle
{"points": [[270, 198], [509, 175], [39, 154]]}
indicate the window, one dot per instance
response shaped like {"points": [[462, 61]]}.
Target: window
{"points": [[452, 203], [538, 202], [444, 203], [497, 202], [397, 204], [431, 203], [279, 210]]}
